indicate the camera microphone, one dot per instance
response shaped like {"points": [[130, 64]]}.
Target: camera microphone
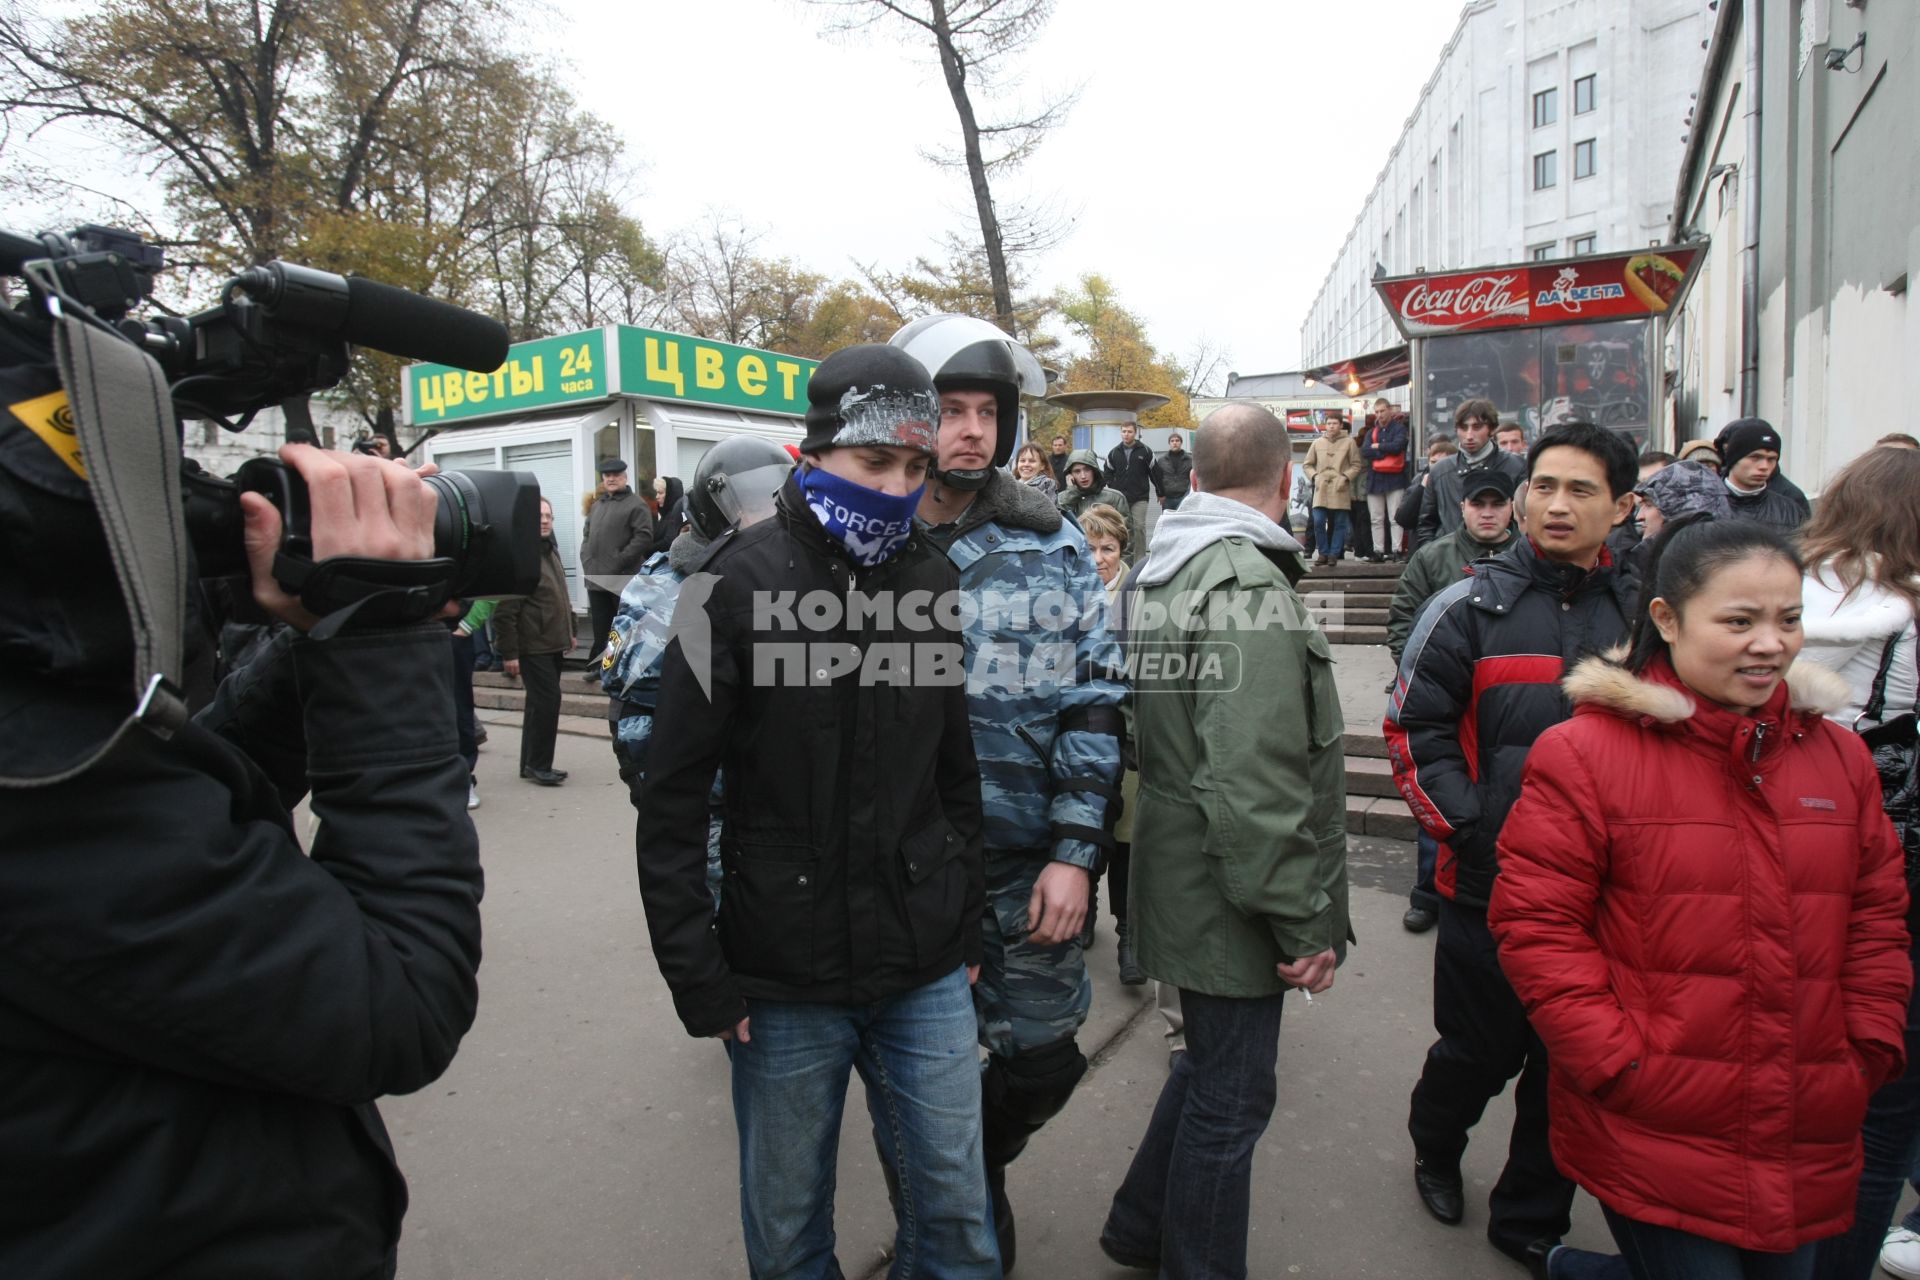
{"points": [[367, 313]]}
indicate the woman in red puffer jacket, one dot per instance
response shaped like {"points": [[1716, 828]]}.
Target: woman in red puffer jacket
{"points": [[1703, 906]]}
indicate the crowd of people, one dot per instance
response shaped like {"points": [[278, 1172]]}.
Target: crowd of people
{"points": [[1587, 640], [888, 706], [1654, 716], [1655, 847]]}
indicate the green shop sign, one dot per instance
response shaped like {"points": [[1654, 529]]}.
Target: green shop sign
{"points": [[536, 375], [616, 360], [672, 366]]}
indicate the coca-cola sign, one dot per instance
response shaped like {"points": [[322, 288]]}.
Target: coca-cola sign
{"points": [[1448, 303], [1606, 286]]}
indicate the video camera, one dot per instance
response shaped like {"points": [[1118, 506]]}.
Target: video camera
{"points": [[279, 332]]}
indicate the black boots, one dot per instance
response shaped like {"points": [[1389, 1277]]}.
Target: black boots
{"points": [[1130, 971], [1017, 1097]]}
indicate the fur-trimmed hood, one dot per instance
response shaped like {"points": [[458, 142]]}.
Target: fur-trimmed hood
{"points": [[1604, 681]]}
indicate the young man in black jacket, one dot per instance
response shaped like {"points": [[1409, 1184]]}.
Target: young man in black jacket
{"points": [[196, 1015], [1130, 473], [812, 660], [1479, 682]]}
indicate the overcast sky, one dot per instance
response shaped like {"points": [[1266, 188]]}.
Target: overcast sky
{"points": [[1216, 160], [1214, 163]]}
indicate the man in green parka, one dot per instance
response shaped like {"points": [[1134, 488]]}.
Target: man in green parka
{"points": [[1239, 879]]}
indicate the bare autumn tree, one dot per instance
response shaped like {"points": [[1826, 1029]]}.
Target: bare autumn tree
{"points": [[975, 42], [403, 139]]}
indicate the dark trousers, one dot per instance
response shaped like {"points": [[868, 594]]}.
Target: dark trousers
{"points": [[1485, 1041], [1119, 863], [1891, 1137], [1185, 1199], [1648, 1252], [540, 723], [1426, 857], [601, 606], [1361, 540], [463, 700]]}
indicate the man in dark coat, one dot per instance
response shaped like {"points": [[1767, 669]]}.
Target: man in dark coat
{"points": [[1172, 477], [196, 1014], [850, 920], [617, 540], [1487, 531], [531, 633], [1479, 681], [1749, 450], [1057, 461], [1130, 473], [1473, 424]]}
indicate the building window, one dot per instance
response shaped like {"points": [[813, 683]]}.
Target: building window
{"points": [[1583, 95], [1583, 156], [1546, 108], [1541, 252], [1581, 245], [1546, 170]]}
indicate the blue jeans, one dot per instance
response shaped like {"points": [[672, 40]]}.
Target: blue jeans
{"points": [[915, 1054], [1891, 1136], [1648, 1252], [1330, 529], [1185, 1200]]}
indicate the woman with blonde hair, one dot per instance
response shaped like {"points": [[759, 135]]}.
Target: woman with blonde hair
{"points": [[1030, 467], [1862, 596], [1106, 531]]}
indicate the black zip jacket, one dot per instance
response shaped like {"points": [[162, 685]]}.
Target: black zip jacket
{"points": [[1479, 681], [195, 1015], [851, 850], [1172, 474], [1130, 470]]}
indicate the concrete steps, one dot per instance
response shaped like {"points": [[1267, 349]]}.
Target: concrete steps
{"points": [[1350, 599], [496, 691]]}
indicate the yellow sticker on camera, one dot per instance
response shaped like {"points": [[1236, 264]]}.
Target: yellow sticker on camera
{"points": [[51, 418]]}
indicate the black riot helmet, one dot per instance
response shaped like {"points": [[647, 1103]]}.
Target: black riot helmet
{"points": [[735, 484], [966, 354]]}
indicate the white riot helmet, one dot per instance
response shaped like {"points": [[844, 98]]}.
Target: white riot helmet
{"points": [[967, 354]]}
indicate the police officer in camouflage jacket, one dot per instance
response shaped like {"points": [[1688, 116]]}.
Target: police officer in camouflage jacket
{"points": [[733, 487], [1044, 694]]}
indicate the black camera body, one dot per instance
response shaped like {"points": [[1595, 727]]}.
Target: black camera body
{"points": [[282, 331]]}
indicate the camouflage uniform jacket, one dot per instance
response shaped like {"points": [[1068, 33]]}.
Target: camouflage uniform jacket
{"points": [[1045, 703], [630, 671]]}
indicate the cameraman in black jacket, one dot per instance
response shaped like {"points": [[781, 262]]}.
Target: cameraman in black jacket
{"points": [[195, 1015]]}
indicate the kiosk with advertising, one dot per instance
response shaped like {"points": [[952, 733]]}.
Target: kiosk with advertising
{"points": [[559, 405], [1558, 340]]}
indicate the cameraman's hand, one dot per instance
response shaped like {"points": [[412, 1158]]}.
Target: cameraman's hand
{"points": [[359, 506]]}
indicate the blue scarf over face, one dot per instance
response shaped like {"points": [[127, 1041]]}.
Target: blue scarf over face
{"points": [[871, 525]]}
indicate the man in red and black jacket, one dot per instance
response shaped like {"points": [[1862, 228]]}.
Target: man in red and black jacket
{"points": [[1479, 681]]}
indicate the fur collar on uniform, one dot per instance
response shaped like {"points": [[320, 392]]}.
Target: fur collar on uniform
{"points": [[684, 553], [1603, 682], [1012, 505]]}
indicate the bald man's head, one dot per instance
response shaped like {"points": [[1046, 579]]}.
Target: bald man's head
{"points": [[1241, 447]]}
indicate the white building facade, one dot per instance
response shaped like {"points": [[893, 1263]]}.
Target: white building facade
{"points": [[1549, 129], [1813, 330]]}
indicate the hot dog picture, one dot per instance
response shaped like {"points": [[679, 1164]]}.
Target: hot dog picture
{"points": [[1654, 280]]}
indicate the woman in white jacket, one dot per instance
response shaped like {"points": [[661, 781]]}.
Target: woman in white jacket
{"points": [[1861, 598]]}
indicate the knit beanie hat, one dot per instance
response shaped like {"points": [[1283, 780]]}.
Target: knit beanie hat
{"points": [[1741, 437], [872, 394]]}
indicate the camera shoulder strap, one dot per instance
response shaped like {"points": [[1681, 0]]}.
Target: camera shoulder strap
{"points": [[130, 442]]}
